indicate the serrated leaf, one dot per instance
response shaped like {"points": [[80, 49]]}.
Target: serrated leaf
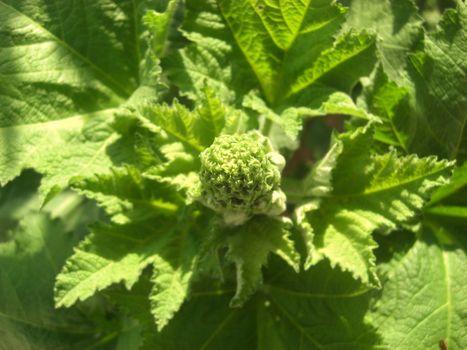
{"points": [[60, 147], [369, 193], [254, 47], [161, 25], [318, 183], [457, 185], [449, 203], [340, 66], [439, 74], [432, 119], [320, 101], [171, 279], [211, 59], [280, 41], [423, 303], [397, 24], [387, 100], [127, 196], [318, 309], [195, 129], [31, 256], [177, 121], [249, 247], [108, 255], [114, 254], [174, 268], [212, 114], [58, 95]]}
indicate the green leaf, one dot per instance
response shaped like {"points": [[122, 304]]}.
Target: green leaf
{"points": [[369, 193], [318, 183], [317, 309], [240, 46], [114, 254], [341, 66], [161, 25], [206, 321], [452, 211], [320, 309], [158, 155], [128, 197], [211, 57], [457, 186], [397, 25], [390, 102], [212, 114], [438, 72], [60, 147], [61, 84], [431, 119], [423, 299], [195, 129], [249, 246], [177, 121], [282, 33], [320, 101], [449, 203], [171, 279], [30, 258], [110, 254]]}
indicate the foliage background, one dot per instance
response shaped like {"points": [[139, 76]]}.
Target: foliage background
{"points": [[67, 68]]}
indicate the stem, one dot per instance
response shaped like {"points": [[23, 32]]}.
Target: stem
{"points": [[266, 129]]}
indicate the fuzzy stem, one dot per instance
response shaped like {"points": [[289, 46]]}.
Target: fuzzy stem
{"points": [[266, 129]]}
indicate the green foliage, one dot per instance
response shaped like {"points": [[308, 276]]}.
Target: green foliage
{"points": [[291, 310], [280, 31], [436, 307], [120, 252], [120, 195], [58, 94], [248, 248], [431, 119], [397, 25], [144, 199], [31, 254], [238, 47], [363, 193]]}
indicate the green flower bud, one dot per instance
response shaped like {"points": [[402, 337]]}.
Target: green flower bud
{"points": [[240, 177]]}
